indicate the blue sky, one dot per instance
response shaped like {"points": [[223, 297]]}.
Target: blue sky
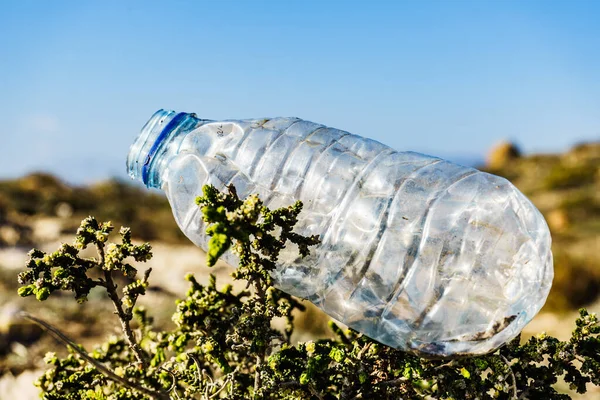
{"points": [[78, 79]]}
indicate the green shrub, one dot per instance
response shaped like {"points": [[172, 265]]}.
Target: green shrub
{"points": [[39, 194], [224, 345], [563, 177], [575, 283]]}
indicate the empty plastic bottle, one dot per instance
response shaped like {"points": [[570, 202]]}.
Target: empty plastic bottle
{"points": [[418, 253]]}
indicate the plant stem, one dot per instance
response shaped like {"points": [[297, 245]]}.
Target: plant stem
{"points": [[100, 367], [257, 380], [260, 292], [111, 288], [514, 379]]}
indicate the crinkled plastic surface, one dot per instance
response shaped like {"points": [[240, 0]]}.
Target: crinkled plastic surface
{"points": [[418, 253]]}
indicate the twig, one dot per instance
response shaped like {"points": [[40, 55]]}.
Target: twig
{"points": [[514, 379], [100, 367], [174, 378], [198, 375], [223, 386], [448, 364], [363, 350], [314, 392], [257, 380], [394, 382], [524, 394], [260, 355], [111, 288]]}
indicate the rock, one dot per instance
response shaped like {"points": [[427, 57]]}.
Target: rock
{"points": [[63, 210], [558, 220], [46, 229], [21, 386], [502, 154], [9, 235]]}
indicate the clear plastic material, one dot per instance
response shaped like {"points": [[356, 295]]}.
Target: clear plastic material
{"points": [[418, 253]]}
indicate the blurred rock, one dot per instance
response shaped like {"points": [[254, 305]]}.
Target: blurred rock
{"points": [[13, 258], [558, 220], [21, 386], [502, 154], [63, 210], [46, 229], [9, 236], [584, 151]]}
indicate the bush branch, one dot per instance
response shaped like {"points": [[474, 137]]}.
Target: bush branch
{"points": [[61, 337], [124, 317]]}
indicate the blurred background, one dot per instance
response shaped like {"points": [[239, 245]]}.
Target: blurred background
{"points": [[510, 87]]}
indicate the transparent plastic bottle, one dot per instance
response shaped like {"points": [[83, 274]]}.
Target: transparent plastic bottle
{"points": [[418, 253]]}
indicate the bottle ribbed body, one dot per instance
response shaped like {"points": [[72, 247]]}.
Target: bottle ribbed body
{"points": [[417, 252]]}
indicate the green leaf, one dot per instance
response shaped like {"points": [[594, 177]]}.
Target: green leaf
{"points": [[42, 293], [25, 291], [464, 372]]}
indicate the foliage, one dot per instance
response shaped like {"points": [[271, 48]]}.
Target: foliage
{"points": [[564, 177], [224, 344], [40, 194], [575, 283]]}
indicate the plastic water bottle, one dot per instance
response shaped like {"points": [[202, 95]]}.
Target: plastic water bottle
{"points": [[418, 253]]}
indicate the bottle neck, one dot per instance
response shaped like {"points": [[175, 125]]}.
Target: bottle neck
{"points": [[158, 141]]}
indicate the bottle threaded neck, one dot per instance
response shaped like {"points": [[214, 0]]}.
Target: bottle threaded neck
{"points": [[150, 145]]}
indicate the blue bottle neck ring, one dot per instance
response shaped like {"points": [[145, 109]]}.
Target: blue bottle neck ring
{"points": [[151, 145]]}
